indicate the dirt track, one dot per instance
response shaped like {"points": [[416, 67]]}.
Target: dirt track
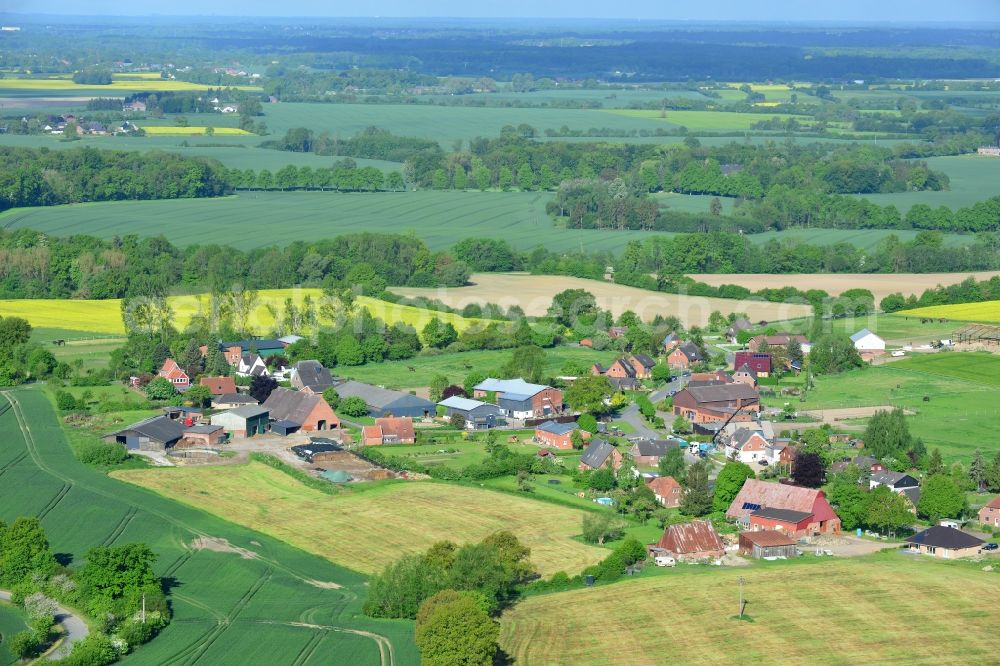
{"points": [[836, 416], [879, 284]]}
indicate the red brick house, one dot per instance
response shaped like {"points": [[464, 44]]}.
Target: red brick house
{"points": [[298, 411], [684, 356], [696, 540], [219, 385], [990, 514], [706, 404], [390, 430], [805, 509], [642, 365], [759, 362], [667, 490], [647, 452], [745, 375], [600, 453], [558, 435], [174, 374], [620, 369]]}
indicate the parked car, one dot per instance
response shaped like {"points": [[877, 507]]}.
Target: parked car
{"points": [[665, 561], [762, 463], [990, 546]]}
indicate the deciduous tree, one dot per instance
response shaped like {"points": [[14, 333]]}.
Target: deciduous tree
{"points": [[729, 482]]}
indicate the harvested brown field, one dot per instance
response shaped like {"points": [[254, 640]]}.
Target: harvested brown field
{"points": [[533, 293], [881, 285]]}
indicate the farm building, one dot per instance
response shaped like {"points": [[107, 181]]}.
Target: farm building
{"points": [[649, 451], [761, 343], [600, 453], [478, 415], [696, 540], [231, 400], [384, 402], [243, 421], [947, 543], [219, 385], [311, 376], [291, 411], [990, 514], [684, 356], [701, 404], [866, 341], [787, 521], [205, 435], [265, 348], [390, 430], [558, 435], [154, 434], [667, 490], [735, 328], [519, 399], [759, 362], [747, 446], [767, 544], [174, 374], [757, 495]]}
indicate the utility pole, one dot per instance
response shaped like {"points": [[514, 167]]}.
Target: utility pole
{"points": [[144, 607], [741, 581]]}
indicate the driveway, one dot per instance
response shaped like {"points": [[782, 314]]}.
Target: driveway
{"points": [[76, 629]]}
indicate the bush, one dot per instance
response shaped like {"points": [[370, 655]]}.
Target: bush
{"points": [[95, 650], [66, 402], [102, 454], [24, 645], [354, 406]]}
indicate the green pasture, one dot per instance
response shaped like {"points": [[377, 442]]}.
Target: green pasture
{"points": [[222, 602], [12, 621], [714, 121], [961, 408], [973, 178], [417, 372], [89, 349], [896, 329], [260, 219]]}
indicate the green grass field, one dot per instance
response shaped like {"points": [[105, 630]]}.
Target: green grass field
{"points": [[455, 367], [962, 389], [896, 329], [984, 311], [12, 621], [973, 178], [222, 602], [887, 609], [715, 121], [370, 525], [92, 349], [438, 218]]}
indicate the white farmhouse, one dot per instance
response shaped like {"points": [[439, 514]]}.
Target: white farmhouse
{"points": [[867, 342]]}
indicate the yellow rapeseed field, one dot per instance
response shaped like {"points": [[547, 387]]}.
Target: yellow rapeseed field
{"points": [[172, 130], [986, 311], [137, 85], [105, 316]]}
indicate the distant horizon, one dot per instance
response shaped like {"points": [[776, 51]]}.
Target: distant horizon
{"points": [[785, 12]]}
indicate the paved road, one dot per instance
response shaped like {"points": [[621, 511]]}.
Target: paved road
{"points": [[76, 629]]}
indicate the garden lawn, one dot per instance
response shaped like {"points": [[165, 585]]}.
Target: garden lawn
{"points": [[887, 609], [371, 525]]}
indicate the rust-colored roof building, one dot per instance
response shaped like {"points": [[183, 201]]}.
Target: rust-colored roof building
{"points": [[692, 541], [390, 430], [705, 404], [759, 496], [219, 385]]}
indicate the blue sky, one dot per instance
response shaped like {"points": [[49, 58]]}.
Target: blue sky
{"points": [[866, 11]]}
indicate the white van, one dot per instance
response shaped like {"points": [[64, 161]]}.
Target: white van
{"points": [[665, 561]]}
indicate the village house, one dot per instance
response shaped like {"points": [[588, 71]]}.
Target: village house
{"points": [[780, 453], [745, 375], [759, 362], [600, 453], [703, 404], [868, 344], [385, 402], [643, 365], [716, 378], [767, 544], [243, 421], [946, 543], [251, 365], [761, 343], [231, 400], [174, 374], [990, 514], [389, 430], [294, 411], [895, 481], [219, 385], [519, 399], [667, 490], [647, 452], [761, 498], [233, 351], [734, 330], [558, 435], [478, 415], [670, 343], [748, 446], [684, 356], [620, 373], [696, 540], [311, 376]]}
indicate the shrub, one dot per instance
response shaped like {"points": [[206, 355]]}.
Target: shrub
{"points": [[102, 454], [24, 645], [66, 402], [354, 406]]}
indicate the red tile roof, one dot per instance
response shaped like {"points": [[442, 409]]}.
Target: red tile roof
{"points": [[400, 426], [219, 385], [664, 486], [994, 503], [760, 494], [694, 537]]}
